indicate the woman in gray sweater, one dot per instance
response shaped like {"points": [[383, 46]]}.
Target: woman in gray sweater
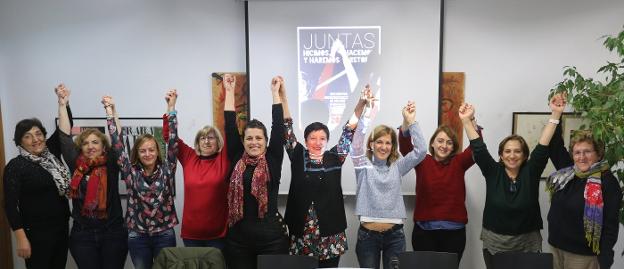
{"points": [[378, 171]]}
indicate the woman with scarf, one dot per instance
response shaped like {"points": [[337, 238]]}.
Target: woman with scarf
{"points": [[35, 188], [315, 210], [585, 202], [255, 226], [151, 213], [98, 237], [511, 217]]}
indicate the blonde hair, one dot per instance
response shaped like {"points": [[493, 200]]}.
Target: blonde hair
{"points": [[134, 155], [205, 132], [379, 131]]}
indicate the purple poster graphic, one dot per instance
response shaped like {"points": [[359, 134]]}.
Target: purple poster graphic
{"points": [[334, 64]]}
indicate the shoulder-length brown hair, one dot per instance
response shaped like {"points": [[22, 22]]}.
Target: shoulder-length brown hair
{"points": [[379, 131], [523, 146], [134, 155], [451, 134]]}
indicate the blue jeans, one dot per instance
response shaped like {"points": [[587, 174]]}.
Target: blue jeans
{"points": [[215, 243], [371, 244], [99, 248], [145, 247]]}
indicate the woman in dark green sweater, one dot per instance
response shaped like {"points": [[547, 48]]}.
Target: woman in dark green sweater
{"points": [[511, 218]]}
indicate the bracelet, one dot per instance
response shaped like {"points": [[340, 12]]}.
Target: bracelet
{"points": [[553, 121]]}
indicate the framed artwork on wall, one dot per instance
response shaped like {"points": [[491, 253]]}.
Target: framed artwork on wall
{"points": [[529, 125], [451, 97], [241, 100], [133, 127]]}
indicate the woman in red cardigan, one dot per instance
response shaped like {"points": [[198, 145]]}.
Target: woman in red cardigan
{"points": [[440, 215]]}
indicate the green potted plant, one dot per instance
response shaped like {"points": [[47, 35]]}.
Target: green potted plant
{"points": [[601, 104]]}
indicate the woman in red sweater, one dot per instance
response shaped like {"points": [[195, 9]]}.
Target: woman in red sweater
{"points": [[440, 212], [206, 167]]}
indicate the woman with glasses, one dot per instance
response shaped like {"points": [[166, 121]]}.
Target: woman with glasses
{"points": [[583, 218], [205, 167], [511, 218]]}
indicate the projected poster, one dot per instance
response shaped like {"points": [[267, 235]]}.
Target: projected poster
{"points": [[334, 64]]}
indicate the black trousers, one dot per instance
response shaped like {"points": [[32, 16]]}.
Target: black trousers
{"points": [[452, 241], [49, 246], [249, 238]]}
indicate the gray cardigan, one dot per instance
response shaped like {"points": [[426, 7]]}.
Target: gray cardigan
{"points": [[379, 185]]}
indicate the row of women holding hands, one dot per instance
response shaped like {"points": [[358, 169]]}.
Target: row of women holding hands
{"points": [[231, 190]]}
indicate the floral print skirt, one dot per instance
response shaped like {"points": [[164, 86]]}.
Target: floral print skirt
{"points": [[311, 243]]}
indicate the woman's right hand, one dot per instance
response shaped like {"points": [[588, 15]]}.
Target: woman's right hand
{"points": [[229, 82], [557, 103], [171, 97], [276, 83], [23, 247], [466, 112], [409, 113], [62, 93]]}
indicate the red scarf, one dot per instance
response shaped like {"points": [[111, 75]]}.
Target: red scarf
{"points": [[259, 190], [95, 198]]}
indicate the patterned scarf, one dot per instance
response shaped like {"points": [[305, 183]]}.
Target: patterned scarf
{"points": [[592, 213], [53, 165], [95, 198], [259, 190]]}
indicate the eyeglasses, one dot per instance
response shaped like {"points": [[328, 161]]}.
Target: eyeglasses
{"points": [[207, 138], [580, 153]]}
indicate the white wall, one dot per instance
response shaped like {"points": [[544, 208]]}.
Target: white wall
{"points": [[511, 51]]}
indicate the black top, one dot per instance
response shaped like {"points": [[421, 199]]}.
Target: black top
{"points": [[319, 183], [31, 196], [113, 201], [565, 218], [274, 157], [511, 212]]}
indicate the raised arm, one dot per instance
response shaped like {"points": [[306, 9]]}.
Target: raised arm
{"points": [[54, 141], [277, 83], [466, 114], [67, 148], [557, 104], [344, 142], [63, 101], [172, 146], [290, 140], [277, 139], [557, 151], [233, 145], [420, 147], [480, 152], [359, 108], [117, 137], [358, 152]]}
